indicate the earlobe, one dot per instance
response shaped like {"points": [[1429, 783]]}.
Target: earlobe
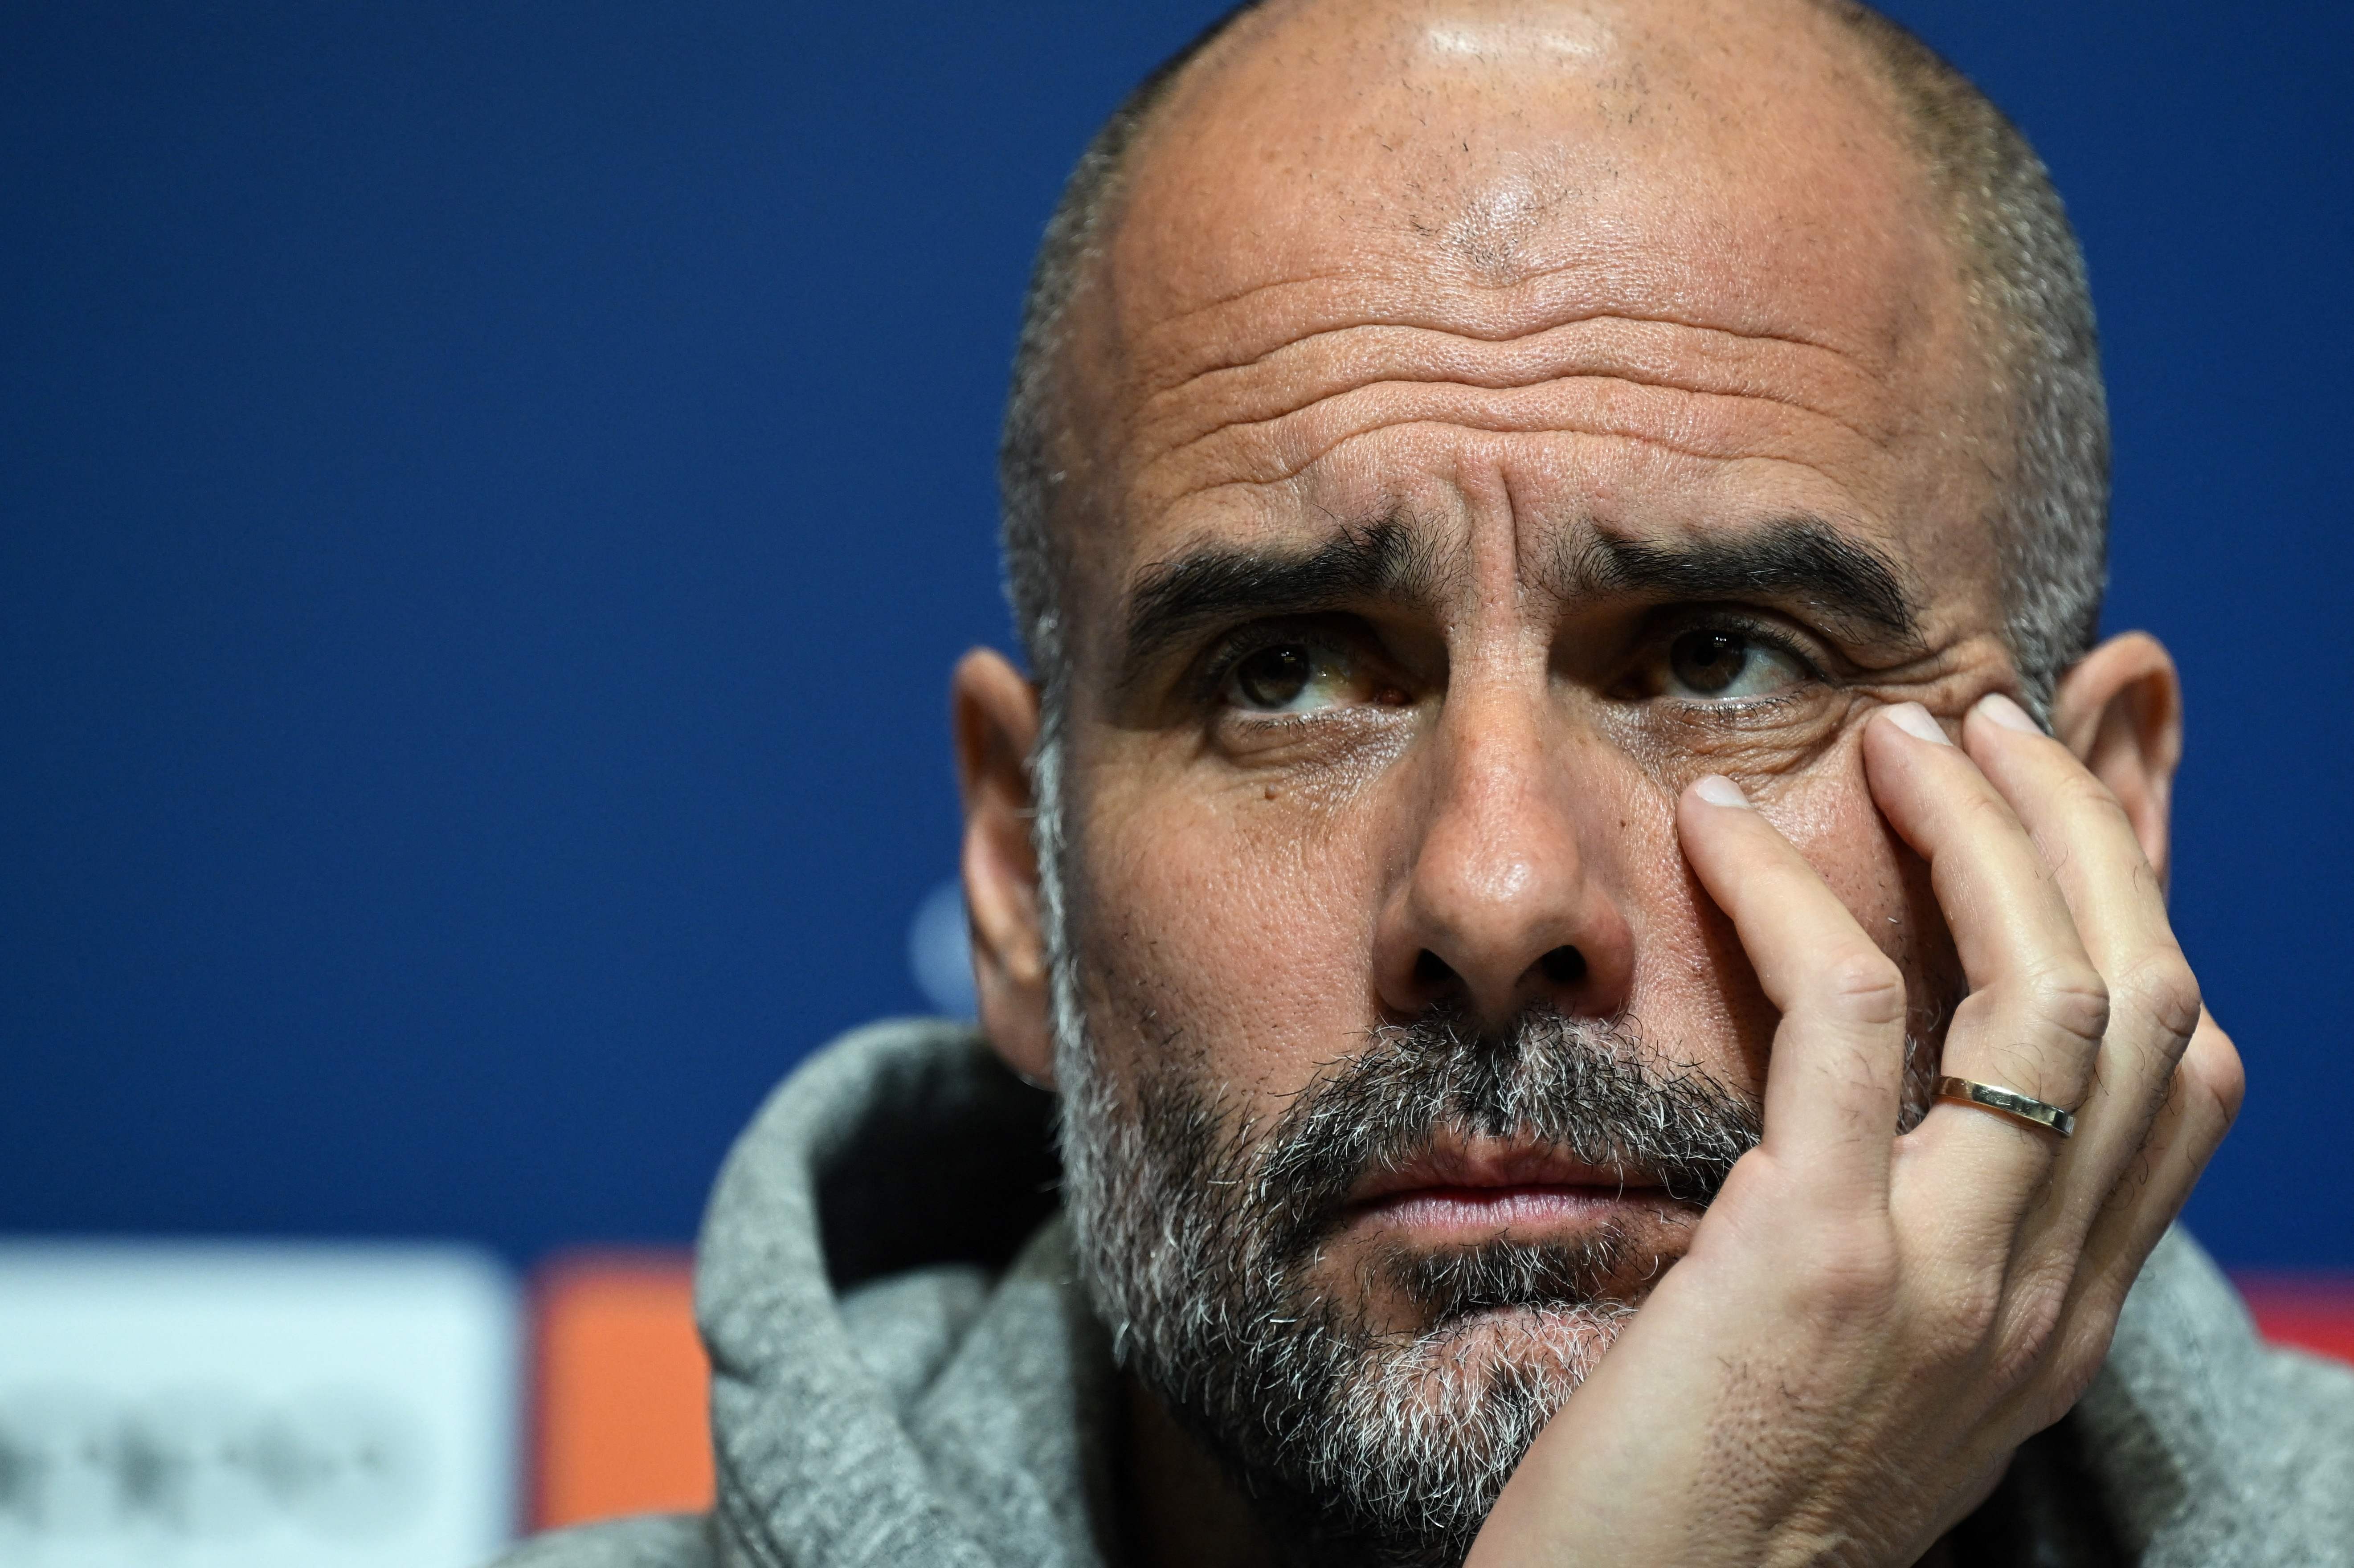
{"points": [[995, 713], [2120, 711]]}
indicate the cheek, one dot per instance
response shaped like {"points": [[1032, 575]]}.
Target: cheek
{"points": [[1830, 815], [1695, 999], [1231, 935], [1696, 996]]}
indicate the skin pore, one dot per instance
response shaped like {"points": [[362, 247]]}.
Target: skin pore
{"points": [[1486, 420]]}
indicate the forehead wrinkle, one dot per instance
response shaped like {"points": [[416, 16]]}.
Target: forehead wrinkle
{"points": [[1258, 220], [1229, 404], [1416, 299], [1290, 483], [1321, 335], [1283, 465]]}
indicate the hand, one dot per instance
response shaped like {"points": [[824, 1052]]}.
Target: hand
{"points": [[1866, 1326]]}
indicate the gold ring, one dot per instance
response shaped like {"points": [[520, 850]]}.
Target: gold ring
{"points": [[2010, 1102]]}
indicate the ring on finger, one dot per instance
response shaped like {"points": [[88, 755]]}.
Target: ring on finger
{"points": [[2008, 1102]]}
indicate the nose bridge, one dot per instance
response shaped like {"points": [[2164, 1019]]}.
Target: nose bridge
{"points": [[1489, 830], [1498, 906]]}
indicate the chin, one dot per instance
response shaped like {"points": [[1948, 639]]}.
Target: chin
{"points": [[1550, 1345]]}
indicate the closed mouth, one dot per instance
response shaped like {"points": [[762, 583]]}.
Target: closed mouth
{"points": [[1488, 1186]]}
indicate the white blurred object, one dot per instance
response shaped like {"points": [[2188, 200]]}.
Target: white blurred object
{"points": [[940, 951], [198, 1405]]}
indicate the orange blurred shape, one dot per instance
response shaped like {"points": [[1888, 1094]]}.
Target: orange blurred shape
{"points": [[622, 1424], [2312, 1311]]}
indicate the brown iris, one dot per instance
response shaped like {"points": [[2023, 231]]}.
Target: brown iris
{"points": [[1274, 677], [1709, 661]]}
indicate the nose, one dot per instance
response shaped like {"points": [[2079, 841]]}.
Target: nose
{"points": [[1500, 905]]}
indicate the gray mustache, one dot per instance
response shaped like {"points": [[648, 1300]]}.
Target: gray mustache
{"points": [[1583, 1085]]}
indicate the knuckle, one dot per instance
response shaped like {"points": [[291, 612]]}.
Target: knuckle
{"points": [[2037, 1311], [2073, 998], [2083, 1348], [1984, 813], [2084, 794], [2162, 989], [1855, 1274], [1975, 1311], [2023, 1330], [1968, 1311], [1862, 984], [2218, 1074], [2073, 1371]]}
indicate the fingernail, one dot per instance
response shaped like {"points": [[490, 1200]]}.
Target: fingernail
{"points": [[1719, 790], [1915, 720], [2001, 710]]}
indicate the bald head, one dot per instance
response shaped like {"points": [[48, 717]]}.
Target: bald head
{"points": [[1798, 172]]}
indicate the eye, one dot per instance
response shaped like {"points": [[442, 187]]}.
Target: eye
{"points": [[1287, 678], [1716, 663]]}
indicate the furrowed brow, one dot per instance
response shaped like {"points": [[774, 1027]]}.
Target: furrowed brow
{"points": [[1799, 561], [1217, 583]]}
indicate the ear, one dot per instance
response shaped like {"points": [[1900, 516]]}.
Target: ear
{"points": [[995, 710], [2120, 711]]}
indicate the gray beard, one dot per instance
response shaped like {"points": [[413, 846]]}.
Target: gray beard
{"points": [[1196, 1241]]}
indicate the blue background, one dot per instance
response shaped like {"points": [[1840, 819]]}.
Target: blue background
{"points": [[490, 495]]}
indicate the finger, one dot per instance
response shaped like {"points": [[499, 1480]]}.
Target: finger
{"points": [[1834, 1083], [2118, 907], [2198, 1109], [2201, 1102], [2082, 834], [2034, 1020]]}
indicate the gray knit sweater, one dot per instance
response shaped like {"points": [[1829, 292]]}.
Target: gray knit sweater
{"points": [[904, 1374]]}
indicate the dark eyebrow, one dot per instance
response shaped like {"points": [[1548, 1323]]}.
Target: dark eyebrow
{"points": [[1799, 560], [1220, 582]]}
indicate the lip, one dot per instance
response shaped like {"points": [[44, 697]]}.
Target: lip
{"points": [[1490, 1185]]}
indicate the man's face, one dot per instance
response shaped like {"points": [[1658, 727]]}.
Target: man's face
{"points": [[1497, 417]]}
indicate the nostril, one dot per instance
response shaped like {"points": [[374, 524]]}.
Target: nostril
{"points": [[1431, 971], [1563, 966]]}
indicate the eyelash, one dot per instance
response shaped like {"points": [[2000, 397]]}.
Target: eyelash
{"points": [[1239, 645], [1765, 633]]}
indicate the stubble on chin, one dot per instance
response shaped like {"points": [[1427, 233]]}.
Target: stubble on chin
{"points": [[1374, 1398]]}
